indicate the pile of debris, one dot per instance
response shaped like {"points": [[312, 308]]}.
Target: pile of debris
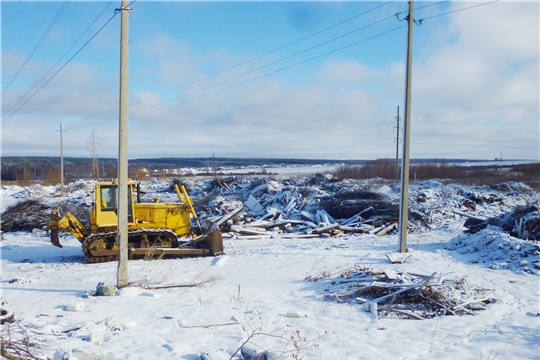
{"points": [[35, 203], [31, 214], [405, 295], [523, 222], [323, 205], [315, 207]]}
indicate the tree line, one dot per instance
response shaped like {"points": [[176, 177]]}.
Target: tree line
{"points": [[48, 169]]}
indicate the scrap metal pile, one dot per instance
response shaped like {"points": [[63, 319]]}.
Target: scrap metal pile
{"points": [[400, 294]]}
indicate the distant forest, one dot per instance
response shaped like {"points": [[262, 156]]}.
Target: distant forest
{"points": [[17, 168], [47, 169]]}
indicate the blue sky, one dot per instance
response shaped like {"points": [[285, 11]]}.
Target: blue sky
{"points": [[199, 82]]}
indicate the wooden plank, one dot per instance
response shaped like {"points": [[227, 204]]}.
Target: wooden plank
{"points": [[481, 298], [351, 229], [375, 230], [310, 224], [298, 236], [290, 206], [467, 215], [229, 216], [318, 217], [252, 237], [350, 220], [408, 313], [325, 228], [329, 217], [420, 284], [391, 274], [247, 230], [387, 229], [307, 216], [259, 224], [397, 258]]}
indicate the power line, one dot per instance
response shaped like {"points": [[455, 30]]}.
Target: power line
{"points": [[36, 47], [294, 42], [429, 5], [270, 73], [252, 59], [458, 10], [274, 62], [270, 52], [67, 62], [139, 114], [160, 106], [43, 77]]}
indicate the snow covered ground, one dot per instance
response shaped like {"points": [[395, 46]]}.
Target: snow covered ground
{"points": [[258, 295]]}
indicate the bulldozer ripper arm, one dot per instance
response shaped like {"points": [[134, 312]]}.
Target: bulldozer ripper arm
{"points": [[184, 197], [53, 227], [67, 223]]}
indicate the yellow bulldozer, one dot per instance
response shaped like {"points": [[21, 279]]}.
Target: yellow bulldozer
{"points": [[154, 229]]}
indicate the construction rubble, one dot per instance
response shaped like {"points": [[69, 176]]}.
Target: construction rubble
{"points": [[259, 207], [323, 206]]}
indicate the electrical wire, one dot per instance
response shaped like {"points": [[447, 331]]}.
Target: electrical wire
{"points": [[67, 62], [36, 47], [246, 73], [137, 113], [458, 10], [429, 5], [250, 60], [161, 107], [277, 61], [44, 76]]}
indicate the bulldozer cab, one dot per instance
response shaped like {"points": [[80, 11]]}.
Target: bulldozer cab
{"points": [[106, 205]]}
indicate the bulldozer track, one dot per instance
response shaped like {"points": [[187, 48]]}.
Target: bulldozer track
{"points": [[141, 238]]}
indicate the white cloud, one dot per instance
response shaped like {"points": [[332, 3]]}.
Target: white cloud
{"points": [[475, 92]]}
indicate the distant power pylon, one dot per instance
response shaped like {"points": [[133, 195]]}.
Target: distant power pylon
{"points": [[95, 167], [397, 143], [61, 162]]}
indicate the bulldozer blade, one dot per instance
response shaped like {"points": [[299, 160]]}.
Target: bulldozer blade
{"points": [[215, 239]]}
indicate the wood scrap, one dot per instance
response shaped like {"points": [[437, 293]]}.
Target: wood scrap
{"points": [[229, 216], [408, 313], [398, 258], [414, 286], [326, 228], [386, 230], [468, 215]]}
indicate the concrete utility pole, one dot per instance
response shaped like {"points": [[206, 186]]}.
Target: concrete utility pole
{"points": [[122, 238], [397, 144], [62, 194], [404, 204]]}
